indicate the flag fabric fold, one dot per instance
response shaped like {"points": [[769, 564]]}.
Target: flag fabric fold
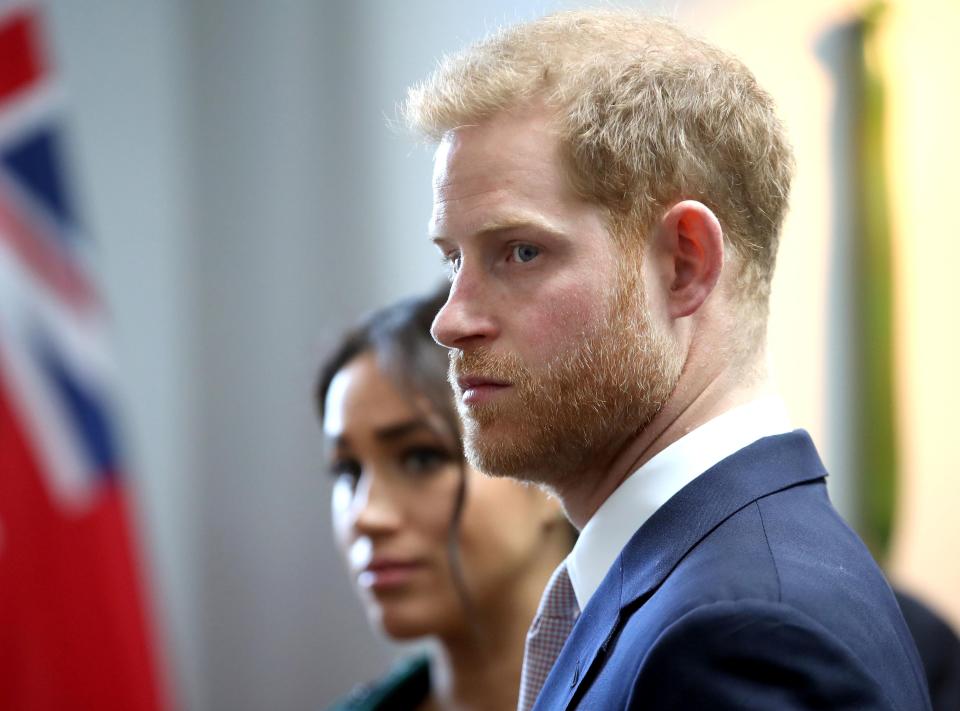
{"points": [[74, 627]]}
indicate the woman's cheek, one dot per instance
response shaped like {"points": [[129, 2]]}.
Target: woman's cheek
{"points": [[340, 502], [434, 509], [490, 528]]}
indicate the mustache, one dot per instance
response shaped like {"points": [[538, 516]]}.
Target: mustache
{"points": [[481, 363]]}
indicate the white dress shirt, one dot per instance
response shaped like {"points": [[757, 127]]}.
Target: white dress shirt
{"points": [[650, 486]]}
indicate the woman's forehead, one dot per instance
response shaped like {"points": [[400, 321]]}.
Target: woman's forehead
{"points": [[362, 397]]}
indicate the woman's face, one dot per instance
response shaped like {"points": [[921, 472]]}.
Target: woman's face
{"points": [[395, 482]]}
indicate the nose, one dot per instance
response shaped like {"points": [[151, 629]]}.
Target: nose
{"points": [[464, 321], [376, 509]]}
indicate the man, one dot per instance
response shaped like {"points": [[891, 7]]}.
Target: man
{"points": [[609, 192]]}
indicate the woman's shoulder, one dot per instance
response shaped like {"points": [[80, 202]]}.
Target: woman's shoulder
{"points": [[404, 688]]}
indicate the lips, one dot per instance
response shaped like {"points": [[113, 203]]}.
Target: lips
{"points": [[387, 573], [476, 390]]}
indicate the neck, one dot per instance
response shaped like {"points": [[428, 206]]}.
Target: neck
{"points": [[693, 403], [479, 668], [469, 678]]}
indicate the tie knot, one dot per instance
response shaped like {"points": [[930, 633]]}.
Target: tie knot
{"points": [[559, 599]]}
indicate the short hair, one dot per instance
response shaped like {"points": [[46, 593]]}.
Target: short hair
{"points": [[647, 115]]}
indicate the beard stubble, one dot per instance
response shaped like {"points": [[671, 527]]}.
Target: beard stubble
{"points": [[577, 410]]}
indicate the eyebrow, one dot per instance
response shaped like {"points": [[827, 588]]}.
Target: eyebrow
{"points": [[401, 429], [506, 224], [390, 432]]}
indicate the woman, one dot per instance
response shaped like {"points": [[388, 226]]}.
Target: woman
{"points": [[435, 548]]}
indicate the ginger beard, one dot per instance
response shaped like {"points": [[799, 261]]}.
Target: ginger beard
{"points": [[579, 408]]}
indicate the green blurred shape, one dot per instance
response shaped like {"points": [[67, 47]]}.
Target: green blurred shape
{"points": [[877, 443]]}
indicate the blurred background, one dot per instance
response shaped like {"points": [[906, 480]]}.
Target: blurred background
{"points": [[234, 165]]}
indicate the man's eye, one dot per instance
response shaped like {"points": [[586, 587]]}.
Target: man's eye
{"points": [[524, 253], [423, 460], [453, 261]]}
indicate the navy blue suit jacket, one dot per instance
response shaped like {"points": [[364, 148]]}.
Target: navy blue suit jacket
{"points": [[746, 590]]}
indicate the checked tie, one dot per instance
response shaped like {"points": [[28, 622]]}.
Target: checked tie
{"points": [[555, 618]]}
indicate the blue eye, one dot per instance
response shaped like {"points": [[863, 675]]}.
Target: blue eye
{"points": [[524, 253], [453, 261]]}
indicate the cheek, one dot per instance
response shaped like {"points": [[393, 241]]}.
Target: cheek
{"points": [[560, 313], [430, 519], [431, 507], [499, 531], [341, 500]]}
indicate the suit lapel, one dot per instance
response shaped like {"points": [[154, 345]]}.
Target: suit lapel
{"points": [[768, 465]]}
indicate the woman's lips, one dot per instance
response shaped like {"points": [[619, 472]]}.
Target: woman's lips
{"points": [[386, 575], [476, 391]]}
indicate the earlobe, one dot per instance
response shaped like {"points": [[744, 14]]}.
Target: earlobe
{"points": [[692, 237]]}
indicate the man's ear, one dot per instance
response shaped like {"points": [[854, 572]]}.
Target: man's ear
{"points": [[689, 255]]}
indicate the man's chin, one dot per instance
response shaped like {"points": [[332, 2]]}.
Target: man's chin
{"points": [[498, 466], [492, 450], [499, 452]]}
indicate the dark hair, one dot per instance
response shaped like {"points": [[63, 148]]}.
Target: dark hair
{"points": [[399, 337]]}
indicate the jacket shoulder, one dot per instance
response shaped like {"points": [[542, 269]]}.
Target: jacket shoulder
{"points": [[779, 606], [755, 654]]}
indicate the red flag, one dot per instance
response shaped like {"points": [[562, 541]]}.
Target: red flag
{"points": [[74, 633]]}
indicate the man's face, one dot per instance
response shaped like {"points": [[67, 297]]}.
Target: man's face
{"points": [[555, 361]]}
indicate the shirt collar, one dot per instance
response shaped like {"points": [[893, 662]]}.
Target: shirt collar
{"points": [[654, 483]]}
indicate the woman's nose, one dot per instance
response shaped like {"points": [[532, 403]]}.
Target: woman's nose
{"points": [[377, 509]]}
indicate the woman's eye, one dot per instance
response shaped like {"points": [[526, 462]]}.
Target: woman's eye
{"points": [[423, 460], [346, 470], [524, 252]]}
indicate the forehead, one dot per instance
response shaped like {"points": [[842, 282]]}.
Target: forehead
{"points": [[508, 167], [362, 398]]}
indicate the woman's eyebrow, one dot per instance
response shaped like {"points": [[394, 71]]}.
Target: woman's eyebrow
{"points": [[401, 429]]}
